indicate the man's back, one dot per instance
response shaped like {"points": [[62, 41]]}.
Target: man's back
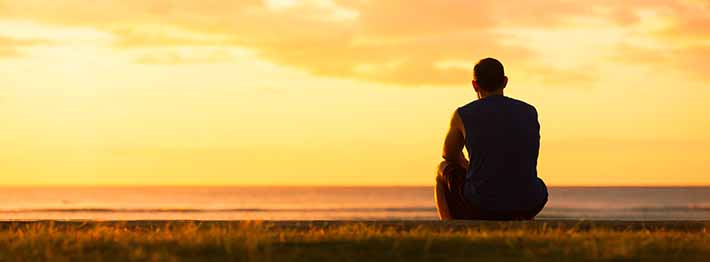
{"points": [[502, 136], [503, 140]]}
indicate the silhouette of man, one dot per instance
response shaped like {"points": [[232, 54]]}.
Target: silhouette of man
{"points": [[502, 138]]}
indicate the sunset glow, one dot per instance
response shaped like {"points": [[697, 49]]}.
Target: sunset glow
{"points": [[351, 92]]}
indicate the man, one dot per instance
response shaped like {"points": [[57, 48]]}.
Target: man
{"points": [[502, 138]]}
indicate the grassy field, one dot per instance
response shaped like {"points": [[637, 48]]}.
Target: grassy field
{"points": [[354, 241]]}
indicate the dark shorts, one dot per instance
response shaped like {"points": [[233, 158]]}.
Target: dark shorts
{"points": [[451, 180]]}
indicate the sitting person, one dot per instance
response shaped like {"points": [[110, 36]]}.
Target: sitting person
{"points": [[502, 138]]}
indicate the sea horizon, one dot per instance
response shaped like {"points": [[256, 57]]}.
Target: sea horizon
{"points": [[330, 203], [317, 185]]}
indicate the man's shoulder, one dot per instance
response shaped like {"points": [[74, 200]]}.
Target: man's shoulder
{"points": [[522, 104], [471, 104], [475, 104], [470, 107]]}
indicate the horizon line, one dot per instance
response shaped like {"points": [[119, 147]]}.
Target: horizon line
{"points": [[318, 185]]}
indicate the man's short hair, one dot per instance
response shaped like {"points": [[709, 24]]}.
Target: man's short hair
{"points": [[489, 74]]}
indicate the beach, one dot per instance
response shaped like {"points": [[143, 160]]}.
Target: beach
{"points": [[541, 240]]}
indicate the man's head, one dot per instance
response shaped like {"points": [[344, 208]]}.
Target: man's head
{"points": [[489, 76]]}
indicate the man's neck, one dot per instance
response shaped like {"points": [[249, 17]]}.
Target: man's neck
{"points": [[484, 94]]}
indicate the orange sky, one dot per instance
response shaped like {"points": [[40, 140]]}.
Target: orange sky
{"points": [[354, 92]]}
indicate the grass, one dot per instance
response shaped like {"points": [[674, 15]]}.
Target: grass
{"points": [[354, 241]]}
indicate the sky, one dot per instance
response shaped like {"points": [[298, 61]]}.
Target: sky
{"points": [[344, 92]]}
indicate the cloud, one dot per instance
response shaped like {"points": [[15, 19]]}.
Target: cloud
{"points": [[690, 60], [10, 47], [677, 35], [397, 41], [163, 37], [175, 57]]}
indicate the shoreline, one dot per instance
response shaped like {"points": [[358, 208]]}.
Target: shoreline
{"points": [[562, 223]]}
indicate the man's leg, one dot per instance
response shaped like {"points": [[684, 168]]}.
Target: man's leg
{"points": [[449, 198], [441, 193], [531, 215], [442, 205]]}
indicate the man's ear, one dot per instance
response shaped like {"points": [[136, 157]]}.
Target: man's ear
{"points": [[475, 85], [505, 81]]}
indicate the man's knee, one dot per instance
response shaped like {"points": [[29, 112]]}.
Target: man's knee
{"points": [[448, 167], [444, 166], [441, 170]]}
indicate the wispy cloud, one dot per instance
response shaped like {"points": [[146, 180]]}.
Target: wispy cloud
{"points": [[175, 57], [399, 42], [10, 47]]}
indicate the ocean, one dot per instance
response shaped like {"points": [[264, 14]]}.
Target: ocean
{"points": [[330, 203]]}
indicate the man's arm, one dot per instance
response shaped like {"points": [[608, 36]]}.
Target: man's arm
{"points": [[455, 141]]}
